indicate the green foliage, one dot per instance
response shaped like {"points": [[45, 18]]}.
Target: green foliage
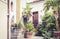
{"points": [[14, 24], [27, 13], [54, 5], [50, 3], [27, 9], [29, 26], [48, 24]]}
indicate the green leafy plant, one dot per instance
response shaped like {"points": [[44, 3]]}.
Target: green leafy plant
{"points": [[50, 3], [29, 26], [14, 24], [54, 5], [27, 9], [48, 24]]}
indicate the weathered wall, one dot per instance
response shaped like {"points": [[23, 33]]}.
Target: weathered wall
{"points": [[3, 20], [37, 6]]}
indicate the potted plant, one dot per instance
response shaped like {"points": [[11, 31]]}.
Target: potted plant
{"points": [[26, 13], [54, 5], [47, 26], [29, 29], [13, 27]]}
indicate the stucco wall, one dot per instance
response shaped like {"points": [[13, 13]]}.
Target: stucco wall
{"points": [[38, 6], [3, 20], [13, 11]]}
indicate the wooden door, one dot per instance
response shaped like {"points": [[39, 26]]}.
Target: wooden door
{"points": [[35, 19]]}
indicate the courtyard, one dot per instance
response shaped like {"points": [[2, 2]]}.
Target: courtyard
{"points": [[30, 19], [37, 19]]}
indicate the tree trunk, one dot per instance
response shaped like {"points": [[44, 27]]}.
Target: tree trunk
{"points": [[57, 25], [56, 18], [59, 14]]}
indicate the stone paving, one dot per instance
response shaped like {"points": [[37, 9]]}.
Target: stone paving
{"points": [[14, 34], [19, 35]]}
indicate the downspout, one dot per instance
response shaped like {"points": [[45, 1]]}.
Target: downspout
{"points": [[7, 19]]}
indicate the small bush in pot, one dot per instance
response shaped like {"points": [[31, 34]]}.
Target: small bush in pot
{"points": [[29, 26], [29, 29]]}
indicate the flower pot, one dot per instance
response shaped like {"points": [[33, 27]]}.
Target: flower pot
{"points": [[27, 34]]}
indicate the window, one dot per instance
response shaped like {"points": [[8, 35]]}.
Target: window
{"points": [[11, 6]]}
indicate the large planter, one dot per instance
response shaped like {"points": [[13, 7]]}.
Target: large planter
{"points": [[27, 34]]}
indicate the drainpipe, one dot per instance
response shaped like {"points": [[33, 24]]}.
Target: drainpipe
{"points": [[7, 19]]}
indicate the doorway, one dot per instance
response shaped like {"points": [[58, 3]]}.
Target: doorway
{"points": [[35, 18]]}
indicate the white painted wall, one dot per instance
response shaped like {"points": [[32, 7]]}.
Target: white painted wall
{"points": [[12, 12], [3, 20], [22, 5], [38, 6]]}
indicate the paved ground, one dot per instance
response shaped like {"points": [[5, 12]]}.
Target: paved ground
{"points": [[14, 34], [17, 34], [21, 36]]}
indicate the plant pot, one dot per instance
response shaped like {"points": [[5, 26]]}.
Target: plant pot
{"points": [[27, 34]]}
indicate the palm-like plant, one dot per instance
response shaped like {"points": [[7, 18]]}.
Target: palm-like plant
{"points": [[27, 9], [54, 4], [50, 3]]}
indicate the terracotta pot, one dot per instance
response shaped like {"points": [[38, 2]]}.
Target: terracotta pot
{"points": [[27, 34]]}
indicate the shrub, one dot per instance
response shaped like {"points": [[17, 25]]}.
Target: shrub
{"points": [[29, 26], [48, 24]]}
